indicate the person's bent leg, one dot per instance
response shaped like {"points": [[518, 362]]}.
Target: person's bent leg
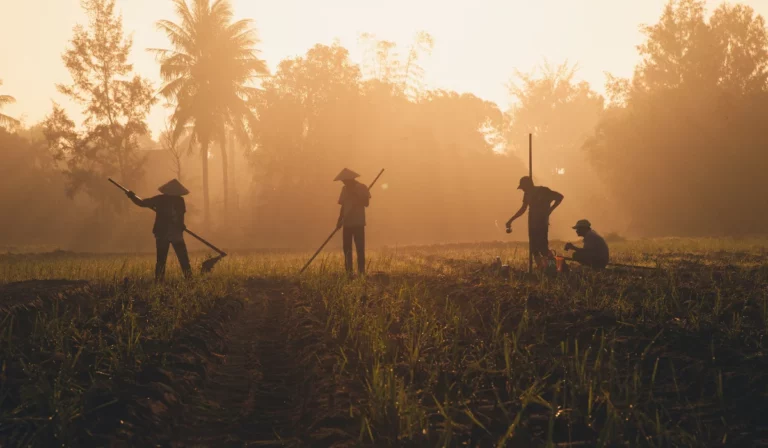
{"points": [[360, 246], [180, 247], [587, 259], [347, 247], [162, 255]]}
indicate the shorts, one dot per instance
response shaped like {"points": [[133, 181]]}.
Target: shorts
{"points": [[539, 238]]}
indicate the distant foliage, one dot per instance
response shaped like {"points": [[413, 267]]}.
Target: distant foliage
{"points": [[561, 114], [317, 114], [5, 120], [404, 73], [682, 145], [208, 75], [115, 105], [32, 193]]}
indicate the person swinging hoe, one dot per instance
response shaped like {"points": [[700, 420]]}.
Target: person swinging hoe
{"points": [[542, 202], [169, 225]]}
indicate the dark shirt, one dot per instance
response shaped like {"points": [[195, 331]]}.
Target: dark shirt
{"points": [[354, 200], [169, 215], [539, 200], [596, 248]]}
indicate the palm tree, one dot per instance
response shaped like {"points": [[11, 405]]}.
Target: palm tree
{"points": [[5, 120], [208, 74]]}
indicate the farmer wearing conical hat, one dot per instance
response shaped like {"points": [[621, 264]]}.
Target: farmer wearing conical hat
{"points": [[354, 198], [595, 251], [542, 202], [169, 226]]}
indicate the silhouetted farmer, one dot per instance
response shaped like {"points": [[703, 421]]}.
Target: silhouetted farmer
{"points": [[353, 200], [595, 251], [540, 200], [169, 226]]}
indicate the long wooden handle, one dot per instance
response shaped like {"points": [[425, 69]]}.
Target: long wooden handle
{"points": [[198, 237], [118, 185], [336, 229], [375, 179], [318, 251]]}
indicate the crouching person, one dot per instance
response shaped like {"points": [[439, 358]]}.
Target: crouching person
{"points": [[595, 251], [169, 225]]}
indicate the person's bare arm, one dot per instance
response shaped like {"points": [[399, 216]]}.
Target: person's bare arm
{"points": [[570, 246], [518, 214], [148, 203], [557, 198]]}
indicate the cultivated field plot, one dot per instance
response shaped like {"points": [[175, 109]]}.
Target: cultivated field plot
{"points": [[431, 349]]}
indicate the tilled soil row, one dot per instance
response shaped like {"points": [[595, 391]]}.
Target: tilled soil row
{"points": [[135, 404], [255, 394]]}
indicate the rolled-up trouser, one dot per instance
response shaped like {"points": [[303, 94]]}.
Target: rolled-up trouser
{"points": [[162, 255], [590, 259], [357, 234], [539, 238]]}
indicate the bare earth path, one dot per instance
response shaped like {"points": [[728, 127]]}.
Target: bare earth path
{"points": [[253, 393]]}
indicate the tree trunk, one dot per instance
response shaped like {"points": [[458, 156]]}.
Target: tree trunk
{"points": [[225, 174], [232, 172], [206, 202]]}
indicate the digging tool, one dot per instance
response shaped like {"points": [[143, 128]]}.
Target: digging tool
{"points": [[208, 264], [336, 229]]}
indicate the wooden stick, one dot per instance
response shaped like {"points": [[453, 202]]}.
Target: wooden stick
{"points": [[196, 236], [530, 174]]}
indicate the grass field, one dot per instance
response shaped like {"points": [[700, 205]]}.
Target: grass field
{"points": [[432, 348]]}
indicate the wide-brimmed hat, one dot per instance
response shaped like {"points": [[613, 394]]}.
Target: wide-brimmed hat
{"points": [[346, 174], [583, 224], [524, 180], [173, 188]]}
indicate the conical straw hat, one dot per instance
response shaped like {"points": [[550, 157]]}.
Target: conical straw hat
{"points": [[346, 174], [173, 188]]}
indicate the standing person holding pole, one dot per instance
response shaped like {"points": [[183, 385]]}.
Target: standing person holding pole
{"points": [[169, 225], [542, 202], [354, 198], [337, 228]]}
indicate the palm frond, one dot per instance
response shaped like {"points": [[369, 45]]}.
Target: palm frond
{"points": [[8, 122], [181, 38]]}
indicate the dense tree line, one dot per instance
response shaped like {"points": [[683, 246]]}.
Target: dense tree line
{"points": [[675, 150], [682, 142]]}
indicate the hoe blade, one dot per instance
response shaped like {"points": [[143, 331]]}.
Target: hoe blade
{"points": [[209, 264]]}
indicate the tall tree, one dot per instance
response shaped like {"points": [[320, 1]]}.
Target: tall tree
{"points": [[174, 145], [412, 83], [115, 105], [5, 120], [686, 139], [561, 113], [385, 64], [208, 75], [740, 40]]}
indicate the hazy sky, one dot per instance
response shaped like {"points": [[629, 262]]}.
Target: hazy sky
{"points": [[478, 43]]}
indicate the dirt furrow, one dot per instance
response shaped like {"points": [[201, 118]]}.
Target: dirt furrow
{"points": [[252, 396]]}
